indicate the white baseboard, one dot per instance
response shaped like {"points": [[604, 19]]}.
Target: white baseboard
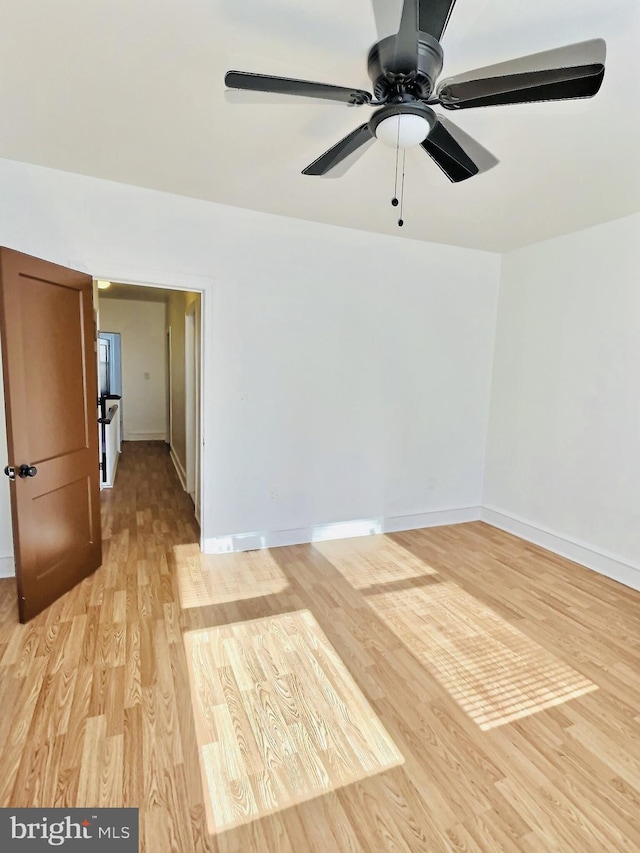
{"points": [[7, 567], [436, 518], [612, 565], [341, 530], [182, 475], [145, 436]]}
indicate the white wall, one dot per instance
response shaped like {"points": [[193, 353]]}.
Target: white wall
{"points": [[563, 461], [348, 371], [356, 383], [144, 371]]}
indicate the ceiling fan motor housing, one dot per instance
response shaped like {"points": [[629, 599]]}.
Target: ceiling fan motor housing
{"points": [[389, 82]]}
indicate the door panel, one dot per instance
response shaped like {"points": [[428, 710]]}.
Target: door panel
{"points": [[48, 349], [65, 519], [55, 350]]}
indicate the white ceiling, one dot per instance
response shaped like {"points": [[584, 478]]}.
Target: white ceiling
{"points": [[132, 91]]}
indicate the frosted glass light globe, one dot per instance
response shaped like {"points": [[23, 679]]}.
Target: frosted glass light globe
{"points": [[413, 130]]}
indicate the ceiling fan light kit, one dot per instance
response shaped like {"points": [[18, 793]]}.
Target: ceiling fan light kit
{"points": [[404, 69], [402, 126]]}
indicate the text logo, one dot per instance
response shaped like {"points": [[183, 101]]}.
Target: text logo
{"points": [[104, 830]]}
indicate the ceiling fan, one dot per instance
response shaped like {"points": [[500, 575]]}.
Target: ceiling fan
{"points": [[404, 69]]}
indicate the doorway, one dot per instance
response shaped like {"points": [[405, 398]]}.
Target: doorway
{"points": [[161, 354], [109, 363], [56, 526]]}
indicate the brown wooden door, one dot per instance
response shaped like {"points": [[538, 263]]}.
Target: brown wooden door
{"points": [[48, 351]]}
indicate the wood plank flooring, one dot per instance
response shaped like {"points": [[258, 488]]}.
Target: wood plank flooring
{"points": [[279, 718], [506, 678]]}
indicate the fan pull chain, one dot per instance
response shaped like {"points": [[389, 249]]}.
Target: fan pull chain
{"points": [[394, 200], [401, 220]]}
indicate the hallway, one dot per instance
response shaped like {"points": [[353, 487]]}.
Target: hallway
{"points": [[436, 690]]}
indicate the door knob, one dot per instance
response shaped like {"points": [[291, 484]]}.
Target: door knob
{"points": [[27, 471], [10, 471]]}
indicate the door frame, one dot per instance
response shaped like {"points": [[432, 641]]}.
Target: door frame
{"points": [[192, 401], [169, 355], [194, 284]]}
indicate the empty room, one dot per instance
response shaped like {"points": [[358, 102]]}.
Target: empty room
{"points": [[319, 529]]}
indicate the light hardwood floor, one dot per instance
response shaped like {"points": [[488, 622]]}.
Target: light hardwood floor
{"points": [[485, 694]]}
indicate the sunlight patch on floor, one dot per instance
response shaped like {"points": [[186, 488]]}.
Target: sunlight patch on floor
{"points": [[495, 672], [206, 579], [279, 719], [373, 561]]}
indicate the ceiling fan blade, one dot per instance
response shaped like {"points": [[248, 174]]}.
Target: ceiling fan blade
{"points": [[405, 54], [427, 16], [573, 71], [400, 55], [433, 16], [456, 153], [341, 151], [344, 165], [589, 52], [287, 86]]}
